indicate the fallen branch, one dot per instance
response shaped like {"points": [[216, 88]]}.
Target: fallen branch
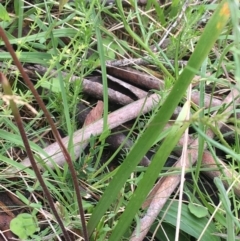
{"points": [[54, 156]]}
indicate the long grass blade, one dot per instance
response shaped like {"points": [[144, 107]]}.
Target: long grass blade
{"points": [[211, 32]]}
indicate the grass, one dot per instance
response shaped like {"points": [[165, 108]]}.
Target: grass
{"points": [[78, 40]]}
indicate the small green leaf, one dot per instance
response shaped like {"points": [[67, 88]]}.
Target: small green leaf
{"points": [[197, 210], [52, 85], [111, 48], [22, 197], [3, 13], [24, 225], [104, 135]]}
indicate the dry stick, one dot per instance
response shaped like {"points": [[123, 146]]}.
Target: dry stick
{"points": [[209, 162], [141, 61], [117, 139], [94, 89], [94, 115], [208, 100], [137, 77], [124, 3], [146, 81], [165, 186], [55, 133], [115, 119], [17, 117], [133, 89]]}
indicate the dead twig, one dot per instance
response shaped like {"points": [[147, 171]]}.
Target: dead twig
{"points": [[53, 155]]}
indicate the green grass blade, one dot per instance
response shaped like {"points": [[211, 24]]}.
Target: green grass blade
{"points": [[16, 165], [227, 207], [214, 143], [201, 125], [208, 38], [26, 57], [151, 174], [61, 83], [16, 140], [19, 13], [104, 83], [57, 33]]}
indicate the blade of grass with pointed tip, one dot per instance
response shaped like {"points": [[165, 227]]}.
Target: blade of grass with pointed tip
{"points": [[230, 219], [147, 182], [209, 36], [57, 33], [102, 58], [145, 141]]}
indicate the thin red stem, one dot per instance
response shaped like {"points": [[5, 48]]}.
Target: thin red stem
{"points": [[54, 129]]}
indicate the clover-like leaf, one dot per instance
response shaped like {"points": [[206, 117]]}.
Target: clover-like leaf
{"points": [[197, 210], [24, 225]]}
